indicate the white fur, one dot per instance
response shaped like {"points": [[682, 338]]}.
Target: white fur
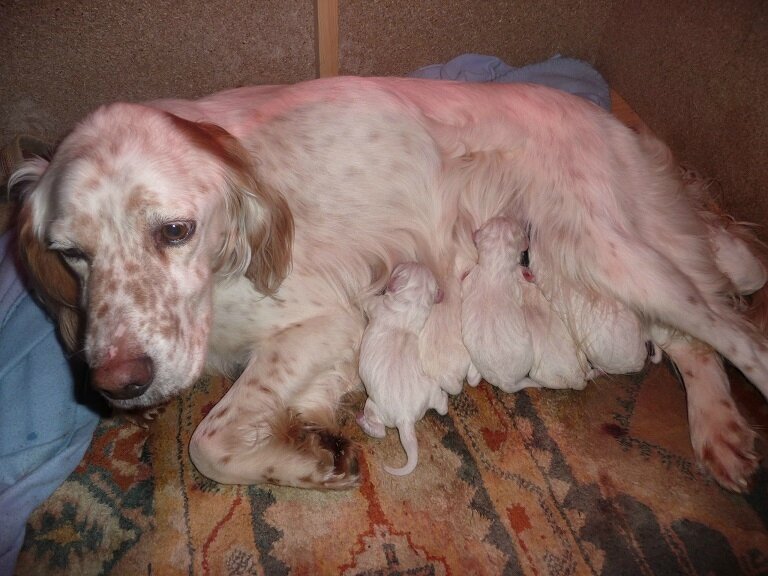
{"points": [[514, 339], [374, 172], [611, 336], [399, 391]]}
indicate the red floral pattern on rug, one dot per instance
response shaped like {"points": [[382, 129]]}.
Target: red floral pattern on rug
{"points": [[542, 482]]}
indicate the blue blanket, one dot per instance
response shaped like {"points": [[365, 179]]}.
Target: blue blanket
{"points": [[44, 427], [568, 74]]}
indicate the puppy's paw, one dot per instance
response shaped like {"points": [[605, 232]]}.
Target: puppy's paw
{"points": [[473, 376], [369, 426], [724, 444], [521, 384]]}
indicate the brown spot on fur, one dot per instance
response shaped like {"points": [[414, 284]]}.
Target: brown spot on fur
{"points": [[226, 459], [688, 373], [102, 311], [224, 411], [275, 358], [84, 223], [733, 426], [92, 183]]}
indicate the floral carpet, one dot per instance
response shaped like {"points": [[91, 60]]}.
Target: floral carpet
{"points": [[600, 481]]}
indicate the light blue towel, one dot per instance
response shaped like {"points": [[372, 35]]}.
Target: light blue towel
{"points": [[44, 427], [568, 74]]}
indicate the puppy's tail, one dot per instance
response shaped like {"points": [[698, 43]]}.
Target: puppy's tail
{"points": [[407, 433]]}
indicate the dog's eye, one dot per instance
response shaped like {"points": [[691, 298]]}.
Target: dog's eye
{"points": [[175, 233], [73, 254]]}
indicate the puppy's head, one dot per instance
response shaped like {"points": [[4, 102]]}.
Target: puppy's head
{"points": [[127, 229], [414, 283]]}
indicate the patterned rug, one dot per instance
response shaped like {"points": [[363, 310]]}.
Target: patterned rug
{"points": [[540, 482]]}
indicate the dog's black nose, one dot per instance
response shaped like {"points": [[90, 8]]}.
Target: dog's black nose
{"points": [[123, 378], [132, 390]]}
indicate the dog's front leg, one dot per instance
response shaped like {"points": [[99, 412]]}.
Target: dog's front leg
{"points": [[277, 424], [722, 439]]}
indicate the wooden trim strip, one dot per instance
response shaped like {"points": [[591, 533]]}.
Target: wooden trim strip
{"points": [[327, 37]]}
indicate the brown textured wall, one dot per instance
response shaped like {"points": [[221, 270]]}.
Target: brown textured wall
{"points": [[697, 73], [393, 37], [61, 59]]}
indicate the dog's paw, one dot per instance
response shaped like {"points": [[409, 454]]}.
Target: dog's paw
{"points": [[724, 444], [308, 455], [338, 464]]}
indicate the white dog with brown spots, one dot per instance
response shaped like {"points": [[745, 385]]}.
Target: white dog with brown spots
{"points": [[239, 232]]}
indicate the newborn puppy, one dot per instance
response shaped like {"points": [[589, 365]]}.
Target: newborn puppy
{"points": [[493, 324], [399, 392], [514, 338], [612, 337]]}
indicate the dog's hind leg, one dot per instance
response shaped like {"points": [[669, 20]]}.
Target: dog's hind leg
{"points": [[722, 439], [650, 283]]}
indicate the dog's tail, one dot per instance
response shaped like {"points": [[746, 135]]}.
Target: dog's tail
{"points": [[407, 431], [739, 252], [755, 300]]}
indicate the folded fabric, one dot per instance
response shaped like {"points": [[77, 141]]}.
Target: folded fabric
{"points": [[45, 426], [568, 74]]}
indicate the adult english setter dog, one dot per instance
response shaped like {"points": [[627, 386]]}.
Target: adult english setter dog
{"points": [[239, 233]]}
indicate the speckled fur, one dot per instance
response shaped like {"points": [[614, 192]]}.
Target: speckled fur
{"points": [[304, 198]]}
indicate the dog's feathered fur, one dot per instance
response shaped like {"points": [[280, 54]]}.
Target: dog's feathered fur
{"points": [[347, 177]]}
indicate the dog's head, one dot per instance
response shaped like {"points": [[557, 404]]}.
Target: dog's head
{"points": [[125, 233]]}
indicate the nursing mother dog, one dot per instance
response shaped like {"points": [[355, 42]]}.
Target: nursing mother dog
{"points": [[239, 234]]}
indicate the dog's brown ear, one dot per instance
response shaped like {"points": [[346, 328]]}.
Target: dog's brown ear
{"points": [[260, 232], [50, 279]]}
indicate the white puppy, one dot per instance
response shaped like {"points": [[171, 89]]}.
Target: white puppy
{"points": [[399, 391], [514, 338], [614, 339]]}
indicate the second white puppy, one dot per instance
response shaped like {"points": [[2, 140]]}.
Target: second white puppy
{"points": [[514, 338], [399, 392]]}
